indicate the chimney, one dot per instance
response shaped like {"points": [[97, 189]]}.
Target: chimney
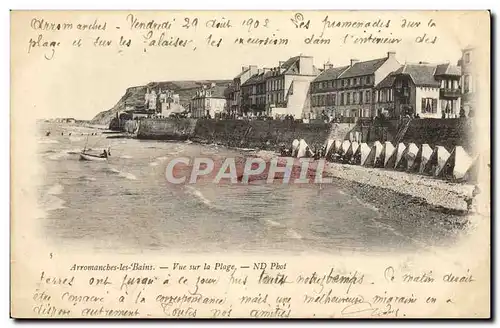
{"points": [[354, 61], [327, 65], [265, 69], [391, 54], [244, 68], [253, 69]]}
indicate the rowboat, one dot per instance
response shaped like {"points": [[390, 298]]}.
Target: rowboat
{"points": [[90, 157]]}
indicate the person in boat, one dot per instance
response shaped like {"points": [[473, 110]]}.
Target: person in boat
{"points": [[104, 154]]}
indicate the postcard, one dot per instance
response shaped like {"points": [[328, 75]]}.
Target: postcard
{"points": [[250, 164]]}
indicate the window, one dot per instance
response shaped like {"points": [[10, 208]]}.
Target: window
{"points": [[348, 102], [361, 97], [467, 57], [467, 84], [429, 105], [342, 98], [367, 97], [334, 99], [352, 81]]}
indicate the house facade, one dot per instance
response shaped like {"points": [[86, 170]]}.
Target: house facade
{"points": [[468, 79], [426, 90], [287, 86], [208, 101], [348, 91], [234, 93]]}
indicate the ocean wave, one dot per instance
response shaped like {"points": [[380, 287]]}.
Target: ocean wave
{"points": [[48, 141], [119, 173], [58, 156], [158, 161], [50, 202], [367, 205], [126, 156], [74, 139], [56, 189], [293, 234], [86, 178], [272, 223], [199, 195]]}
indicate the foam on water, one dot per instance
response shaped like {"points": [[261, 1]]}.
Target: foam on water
{"points": [[56, 189], [199, 195], [57, 156], [121, 174], [367, 205], [48, 141], [293, 234], [50, 202], [126, 156]]}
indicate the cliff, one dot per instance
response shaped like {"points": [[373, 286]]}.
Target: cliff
{"points": [[134, 96]]}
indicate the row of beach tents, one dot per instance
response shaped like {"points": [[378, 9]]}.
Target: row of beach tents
{"points": [[456, 165]]}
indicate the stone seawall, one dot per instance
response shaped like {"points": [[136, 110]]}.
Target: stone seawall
{"points": [[271, 134], [444, 132], [259, 134], [166, 129]]}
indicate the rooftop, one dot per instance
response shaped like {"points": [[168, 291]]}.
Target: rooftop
{"points": [[363, 68], [330, 73]]}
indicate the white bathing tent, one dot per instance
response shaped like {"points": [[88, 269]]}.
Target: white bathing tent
{"points": [[374, 154], [345, 147], [457, 164], [396, 156], [408, 157], [423, 156], [437, 161], [304, 150], [351, 151], [387, 150], [361, 154], [295, 147]]}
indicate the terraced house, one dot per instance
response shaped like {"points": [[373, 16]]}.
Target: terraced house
{"points": [[349, 92], [281, 90], [233, 92], [427, 90]]}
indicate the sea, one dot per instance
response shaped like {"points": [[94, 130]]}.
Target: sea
{"points": [[126, 204]]}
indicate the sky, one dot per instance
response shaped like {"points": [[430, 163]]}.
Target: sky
{"points": [[81, 81]]}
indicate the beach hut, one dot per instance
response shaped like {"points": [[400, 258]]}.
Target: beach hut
{"points": [[408, 157], [350, 152], [437, 161], [295, 147], [361, 154], [374, 154], [304, 150], [387, 150], [472, 173], [457, 164], [396, 156], [328, 146], [344, 147], [423, 155]]}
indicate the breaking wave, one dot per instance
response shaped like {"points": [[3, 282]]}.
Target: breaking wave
{"points": [[121, 174], [48, 141], [199, 195]]}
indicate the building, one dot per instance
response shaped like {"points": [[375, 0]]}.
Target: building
{"points": [[151, 100], [209, 101], [253, 94], [169, 103], [323, 93], [287, 86], [383, 97], [233, 95], [468, 80], [349, 89], [425, 90]]}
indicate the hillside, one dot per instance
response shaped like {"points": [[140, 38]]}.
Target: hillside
{"points": [[134, 96]]}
